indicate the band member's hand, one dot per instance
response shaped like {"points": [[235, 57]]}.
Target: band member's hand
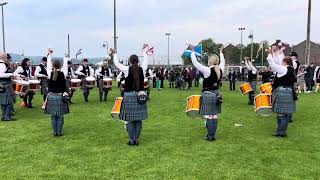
{"points": [[112, 51], [50, 51], [191, 47]]}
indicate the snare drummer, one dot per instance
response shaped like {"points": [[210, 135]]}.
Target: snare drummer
{"points": [[84, 71], [24, 71], [211, 98], [103, 72], [7, 94], [283, 96], [41, 74], [69, 74], [252, 79], [132, 111]]}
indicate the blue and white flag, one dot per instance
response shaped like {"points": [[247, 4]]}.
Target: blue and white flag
{"points": [[197, 51]]}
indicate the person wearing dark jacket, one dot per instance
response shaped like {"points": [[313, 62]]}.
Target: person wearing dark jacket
{"points": [[309, 73], [133, 111], [56, 104], [232, 80]]}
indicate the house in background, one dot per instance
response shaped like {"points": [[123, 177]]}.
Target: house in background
{"points": [[314, 52]]}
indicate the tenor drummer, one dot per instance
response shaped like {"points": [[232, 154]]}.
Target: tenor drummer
{"points": [[7, 94], [283, 94], [24, 71], [133, 111], [84, 71], [103, 72], [211, 99], [252, 79], [41, 74]]}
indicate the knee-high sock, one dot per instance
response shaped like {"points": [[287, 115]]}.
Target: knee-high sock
{"points": [[106, 95], [130, 127], [137, 130], [30, 99], [100, 95], [54, 124], [60, 124], [8, 111], [212, 125], [3, 109], [283, 121]]}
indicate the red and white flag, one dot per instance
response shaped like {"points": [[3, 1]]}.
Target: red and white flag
{"points": [[150, 51]]}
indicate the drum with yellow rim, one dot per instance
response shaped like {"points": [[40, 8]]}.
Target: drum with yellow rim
{"points": [[193, 106], [263, 104], [22, 87], [246, 88], [115, 113], [266, 88]]}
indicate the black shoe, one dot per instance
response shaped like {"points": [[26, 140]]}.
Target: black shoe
{"points": [[136, 142], [13, 119], [59, 135], [130, 143], [290, 121], [283, 136], [276, 135], [209, 139], [55, 135], [2, 119]]}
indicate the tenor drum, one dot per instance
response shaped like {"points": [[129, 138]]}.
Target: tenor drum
{"points": [[263, 104], [193, 106], [34, 85], [107, 83], [90, 81], [115, 113], [75, 84], [22, 87], [146, 83], [266, 88], [246, 88]]}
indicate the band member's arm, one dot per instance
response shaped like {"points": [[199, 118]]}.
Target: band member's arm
{"points": [[91, 72], [222, 64], [78, 72], [3, 70], [49, 63], [254, 70], [37, 73], [204, 69], [98, 72], [247, 64], [144, 64], [110, 73], [18, 72], [65, 65], [123, 68], [279, 69]]}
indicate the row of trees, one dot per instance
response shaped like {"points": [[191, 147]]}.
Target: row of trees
{"points": [[231, 52]]}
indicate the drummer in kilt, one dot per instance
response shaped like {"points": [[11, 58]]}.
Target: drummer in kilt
{"points": [[148, 77], [41, 74], [283, 95], [102, 72], [69, 74], [211, 98], [134, 104], [84, 71], [7, 93], [57, 99], [252, 79]]}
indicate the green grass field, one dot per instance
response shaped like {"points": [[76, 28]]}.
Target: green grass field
{"points": [[172, 145]]}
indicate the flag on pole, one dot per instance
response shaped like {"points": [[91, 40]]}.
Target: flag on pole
{"points": [[79, 52], [197, 51], [150, 51]]}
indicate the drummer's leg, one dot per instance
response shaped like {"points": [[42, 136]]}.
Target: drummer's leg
{"points": [[30, 98], [130, 126], [137, 131], [212, 125], [106, 92], [3, 109], [282, 120]]}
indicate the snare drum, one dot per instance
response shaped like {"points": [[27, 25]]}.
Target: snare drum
{"points": [[146, 83], [193, 106], [34, 85], [90, 81], [107, 83], [246, 88], [263, 104], [22, 87], [266, 88], [115, 113], [75, 84]]}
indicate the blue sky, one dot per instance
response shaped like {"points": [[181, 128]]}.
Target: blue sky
{"points": [[35, 25]]}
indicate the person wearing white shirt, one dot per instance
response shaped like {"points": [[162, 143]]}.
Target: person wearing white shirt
{"points": [[211, 97], [103, 72], [147, 82], [84, 71], [24, 71], [252, 79], [41, 74], [134, 103], [283, 94], [7, 93], [69, 74]]}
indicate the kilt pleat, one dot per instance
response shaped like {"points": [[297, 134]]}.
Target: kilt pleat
{"points": [[8, 96], [55, 106], [282, 101], [209, 104], [131, 110]]}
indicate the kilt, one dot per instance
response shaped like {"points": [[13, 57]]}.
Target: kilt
{"points": [[8, 97], [44, 86], [55, 106], [282, 101], [208, 103], [300, 80], [131, 110]]}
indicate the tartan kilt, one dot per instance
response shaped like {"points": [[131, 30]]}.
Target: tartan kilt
{"points": [[8, 97], [282, 101], [208, 103], [131, 110], [55, 106], [44, 86]]}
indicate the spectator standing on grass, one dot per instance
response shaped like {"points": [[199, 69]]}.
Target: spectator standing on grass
{"points": [[309, 73], [232, 80], [190, 77], [301, 81], [317, 78], [197, 77]]}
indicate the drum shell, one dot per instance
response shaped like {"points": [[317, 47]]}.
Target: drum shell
{"points": [[193, 106], [246, 88], [263, 104], [115, 113]]}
